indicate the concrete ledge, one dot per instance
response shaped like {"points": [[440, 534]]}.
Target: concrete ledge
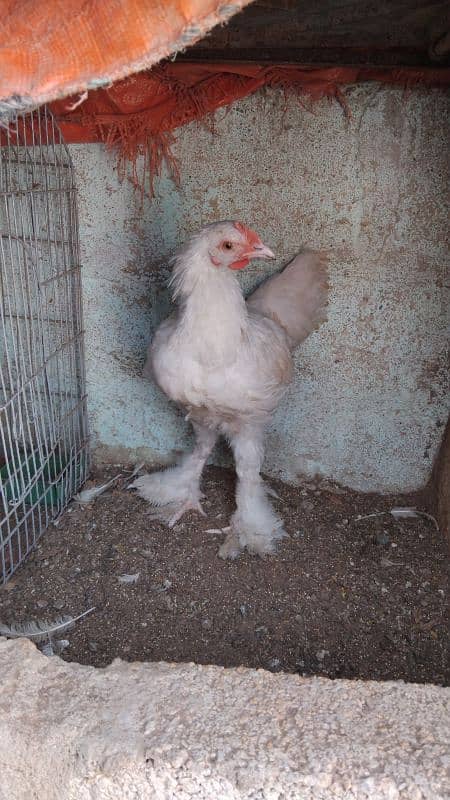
{"points": [[162, 731]]}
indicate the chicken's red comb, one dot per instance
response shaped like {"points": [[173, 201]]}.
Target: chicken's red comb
{"points": [[251, 236]]}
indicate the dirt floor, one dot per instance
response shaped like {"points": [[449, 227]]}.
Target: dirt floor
{"points": [[344, 597]]}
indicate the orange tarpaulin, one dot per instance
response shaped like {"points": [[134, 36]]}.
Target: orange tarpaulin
{"points": [[53, 48], [139, 114]]}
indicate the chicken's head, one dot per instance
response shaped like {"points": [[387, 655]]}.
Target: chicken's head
{"points": [[233, 245]]}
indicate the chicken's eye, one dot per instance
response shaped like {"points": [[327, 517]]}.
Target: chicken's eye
{"points": [[227, 245]]}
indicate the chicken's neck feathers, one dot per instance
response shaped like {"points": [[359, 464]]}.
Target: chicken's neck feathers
{"points": [[213, 315]]}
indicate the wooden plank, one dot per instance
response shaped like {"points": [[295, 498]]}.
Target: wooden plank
{"points": [[389, 32]]}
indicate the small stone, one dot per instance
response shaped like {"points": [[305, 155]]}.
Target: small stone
{"points": [[166, 585], [243, 610], [11, 584], [274, 664], [261, 631], [59, 604], [321, 655], [170, 603], [384, 590], [93, 646], [408, 584], [42, 603], [60, 645], [74, 572], [206, 624]]}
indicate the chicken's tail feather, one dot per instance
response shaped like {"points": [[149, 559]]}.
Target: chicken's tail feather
{"points": [[297, 297]]}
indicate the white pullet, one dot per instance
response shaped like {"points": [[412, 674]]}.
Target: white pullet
{"points": [[227, 363]]}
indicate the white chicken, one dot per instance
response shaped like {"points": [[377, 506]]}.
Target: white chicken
{"points": [[227, 363]]}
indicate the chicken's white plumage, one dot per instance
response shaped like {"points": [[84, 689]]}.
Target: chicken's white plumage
{"points": [[228, 363]]}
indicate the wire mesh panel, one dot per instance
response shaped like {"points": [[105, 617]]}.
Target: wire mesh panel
{"points": [[43, 425]]}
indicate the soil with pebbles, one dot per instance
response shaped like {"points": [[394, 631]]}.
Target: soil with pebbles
{"points": [[343, 597]]}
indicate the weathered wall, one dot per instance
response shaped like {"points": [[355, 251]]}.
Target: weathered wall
{"points": [[368, 405]]}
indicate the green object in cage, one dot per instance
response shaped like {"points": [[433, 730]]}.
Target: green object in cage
{"points": [[42, 490]]}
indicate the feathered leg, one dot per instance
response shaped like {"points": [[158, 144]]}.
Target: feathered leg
{"points": [[254, 525], [176, 490]]}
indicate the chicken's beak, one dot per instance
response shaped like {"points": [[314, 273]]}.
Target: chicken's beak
{"points": [[260, 251]]}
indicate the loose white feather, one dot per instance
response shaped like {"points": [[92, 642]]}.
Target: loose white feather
{"points": [[39, 630], [129, 578], [402, 512], [88, 495], [408, 511]]}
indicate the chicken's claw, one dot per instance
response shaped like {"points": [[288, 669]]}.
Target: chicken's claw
{"points": [[188, 505], [231, 548]]}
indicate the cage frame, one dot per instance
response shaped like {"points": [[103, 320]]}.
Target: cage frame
{"points": [[44, 436]]}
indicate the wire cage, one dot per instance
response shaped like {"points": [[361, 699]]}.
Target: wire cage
{"points": [[43, 421]]}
